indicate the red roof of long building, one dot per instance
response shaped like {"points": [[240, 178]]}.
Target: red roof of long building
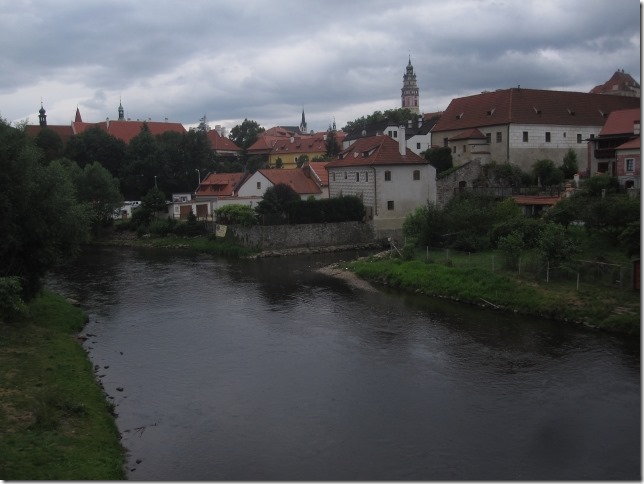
{"points": [[530, 106], [295, 178]]}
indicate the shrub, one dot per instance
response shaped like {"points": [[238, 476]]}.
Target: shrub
{"points": [[236, 215], [511, 246], [555, 244], [12, 305]]}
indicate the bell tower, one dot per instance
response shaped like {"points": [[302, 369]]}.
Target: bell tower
{"points": [[42, 117], [409, 91]]}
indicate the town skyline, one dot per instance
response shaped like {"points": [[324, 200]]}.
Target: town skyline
{"points": [[349, 64]]}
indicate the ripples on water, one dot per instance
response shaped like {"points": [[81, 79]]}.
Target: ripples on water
{"points": [[267, 370]]}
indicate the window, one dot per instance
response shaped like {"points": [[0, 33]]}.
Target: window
{"points": [[579, 138], [333, 176], [357, 176], [416, 174], [417, 146], [525, 136], [630, 165], [390, 205], [547, 136], [464, 148], [345, 175], [259, 185], [499, 137], [445, 142], [387, 175], [366, 176], [454, 149], [488, 138]]}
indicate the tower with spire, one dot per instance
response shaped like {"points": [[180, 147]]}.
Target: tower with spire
{"points": [[303, 124], [121, 111], [42, 117], [409, 92]]}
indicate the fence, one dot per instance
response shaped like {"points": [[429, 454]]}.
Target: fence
{"points": [[530, 266]]}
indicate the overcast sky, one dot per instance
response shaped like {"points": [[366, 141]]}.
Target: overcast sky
{"points": [[268, 60]]}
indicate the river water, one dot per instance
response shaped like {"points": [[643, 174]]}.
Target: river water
{"points": [[267, 370]]}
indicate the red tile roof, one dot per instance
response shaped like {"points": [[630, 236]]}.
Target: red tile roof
{"points": [[619, 82], [221, 143], [530, 106], [535, 200], [621, 122], [633, 144], [299, 144], [295, 178], [220, 184], [376, 150], [319, 167], [469, 134]]}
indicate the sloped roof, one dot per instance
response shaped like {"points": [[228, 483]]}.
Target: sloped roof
{"points": [[619, 82], [621, 122], [472, 133], [319, 167], [221, 143], [295, 178], [633, 144], [300, 144], [220, 184], [375, 150], [530, 106]]}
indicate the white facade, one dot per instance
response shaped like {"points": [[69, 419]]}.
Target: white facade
{"points": [[254, 186]]}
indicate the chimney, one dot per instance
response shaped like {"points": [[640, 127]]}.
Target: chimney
{"points": [[292, 139], [402, 142], [636, 127]]}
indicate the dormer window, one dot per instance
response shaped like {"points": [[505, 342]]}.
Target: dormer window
{"points": [[536, 111], [491, 112], [459, 116]]}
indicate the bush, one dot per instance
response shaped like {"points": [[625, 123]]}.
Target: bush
{"points": [[555, 244], [236, 215], [160, 228], [529, 228], [511, 246], [547, 173], [12, 306]]}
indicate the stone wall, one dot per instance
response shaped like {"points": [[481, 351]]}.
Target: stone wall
{"points": [[463, 176], [270, 237]]}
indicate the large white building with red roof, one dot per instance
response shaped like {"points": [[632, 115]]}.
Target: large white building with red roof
{"points": [[391, 179], [522, 126]]}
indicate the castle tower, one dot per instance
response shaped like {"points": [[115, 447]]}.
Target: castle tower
{"points": [[42, 117], [409, 91]]}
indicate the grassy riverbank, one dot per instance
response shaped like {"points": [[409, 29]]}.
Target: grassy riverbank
{"points": [[604, 307], [56, 422]]}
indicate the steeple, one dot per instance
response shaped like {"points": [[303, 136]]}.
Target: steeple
{"points": [[409, 92], [303, 124], [121, 112], [42, 117], [78, 118]]}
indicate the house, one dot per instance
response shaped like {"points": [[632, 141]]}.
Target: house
{"points": [[223, 147], [417, 133], [316, 170], [391, 179], [619, 128], [522, 125], [628, 164], [298, 179], [620, 84], [215, 191]]}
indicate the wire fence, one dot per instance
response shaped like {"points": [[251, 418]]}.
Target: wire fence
{"points": [[529, 265]]}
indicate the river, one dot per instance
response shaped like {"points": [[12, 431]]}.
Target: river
{"points": [[268, 370]]}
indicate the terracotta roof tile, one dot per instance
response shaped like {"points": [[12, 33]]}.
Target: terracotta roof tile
{"points": [[621, 122], [375, 150], [633, 144], [295, 178], [220, 184], [319, 167], [221, 143]]}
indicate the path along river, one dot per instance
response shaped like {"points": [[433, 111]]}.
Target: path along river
{"points": [[266, 369]]}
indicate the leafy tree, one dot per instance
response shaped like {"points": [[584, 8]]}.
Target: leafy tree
{"points": [[570, 167], [97, 145], [41, 222], [545, 172], [440, 158], [96, 188], [511, 246], [398, 116], [255, 163], [556, 245], [505, 175], [279, 163], [595, 185], [301, 160], [143, 168], [275, 200], [331, 144], [50, 143], [236, 214], [245, 134]]}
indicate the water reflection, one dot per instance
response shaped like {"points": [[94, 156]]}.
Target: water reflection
{"points": [[268, 370]]}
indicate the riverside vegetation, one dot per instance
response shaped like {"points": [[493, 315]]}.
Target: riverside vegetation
{"points": [[56, 423]]}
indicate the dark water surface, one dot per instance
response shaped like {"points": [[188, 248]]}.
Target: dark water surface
{"points": [[257, 370]]}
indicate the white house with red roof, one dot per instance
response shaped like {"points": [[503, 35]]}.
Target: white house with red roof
{"points": [[522, 126], [257, 183], [390, 178]]}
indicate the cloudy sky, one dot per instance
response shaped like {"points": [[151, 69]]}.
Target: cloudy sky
{"points": [[268, 60]]}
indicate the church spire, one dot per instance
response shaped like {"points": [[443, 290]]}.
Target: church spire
{"points": [[42, 117], [303, 123], [409, 92], [78, 118], [121, 111]]}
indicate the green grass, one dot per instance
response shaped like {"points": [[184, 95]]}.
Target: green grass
{"points": [[609, 308], [56, 422]]}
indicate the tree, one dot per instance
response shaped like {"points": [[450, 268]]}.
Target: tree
{"points": [[331, 144], [398, 116], [97, 145], [301, 160], [275, 200], [143, 167], [41, 222], [569, 167], [546, 173], [256, 162], [245, 134], [439, 158], [96, 188], [50, 143]]}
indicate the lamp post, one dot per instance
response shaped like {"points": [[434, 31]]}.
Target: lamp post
{"points": [[155, 181], [198, 177]]}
